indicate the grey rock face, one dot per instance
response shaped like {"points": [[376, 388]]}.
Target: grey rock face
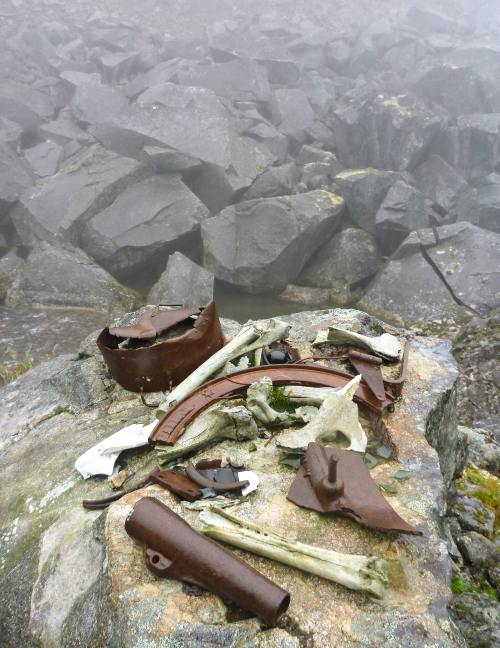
{"points": [[64, 129], [190, 120], [291, 112], [24, 105], [350, 257], [45, 158], [15, 176], [183, 282], [93, 101], [61, 204], [458, 89], [276, 181], [150, 218], [481, 205], [477, 615], [167, 160], [239, 80], [483, 449], [409, 291], [385, 132], [261, 245], [467, 259], [363, 191], [473, 515], [472, 145], [62, 277], [403, 210], [440, 183], [478, 551]]}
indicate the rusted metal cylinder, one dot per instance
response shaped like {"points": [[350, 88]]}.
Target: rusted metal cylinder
{"points": [[176, 550]]}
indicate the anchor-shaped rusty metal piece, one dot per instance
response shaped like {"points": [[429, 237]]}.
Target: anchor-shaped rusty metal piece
{"points": [[332, 480]]}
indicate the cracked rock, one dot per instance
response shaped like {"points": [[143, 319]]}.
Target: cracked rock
{"points": [[182, 282]]}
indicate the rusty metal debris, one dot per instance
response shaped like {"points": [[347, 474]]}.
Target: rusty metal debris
{"points": [[158, 367], [337, 481], [174, 422], [175, 550], [172, 480], [154, 322]]}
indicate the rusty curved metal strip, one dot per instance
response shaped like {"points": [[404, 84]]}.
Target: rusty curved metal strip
{"points": [[203, 481], [161, 366], [175, 421]]}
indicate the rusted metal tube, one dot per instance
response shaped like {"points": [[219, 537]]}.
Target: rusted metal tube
{"points": [[176, 550]]}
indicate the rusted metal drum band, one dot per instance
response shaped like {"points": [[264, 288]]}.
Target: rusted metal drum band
{"points": [[161, 366]]}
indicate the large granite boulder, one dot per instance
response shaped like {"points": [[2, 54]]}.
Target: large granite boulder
{"points": [[58, 206], [193, 121], [93, 101], [439, 182], [58, 410], [403, 210], [385, 131], [439, 274], [291, 112], [363, 191], [349, 259], [60, 277], [480, 205], [24, 105], [183, 282], [262, 245], [149, 219]]}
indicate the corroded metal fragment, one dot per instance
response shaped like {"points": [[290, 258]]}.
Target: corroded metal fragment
{"points": [[174, 422], [176, 550], [160, 366], [337, 481]]}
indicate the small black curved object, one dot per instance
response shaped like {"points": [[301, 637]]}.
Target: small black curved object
{"points": [[201, 480]]}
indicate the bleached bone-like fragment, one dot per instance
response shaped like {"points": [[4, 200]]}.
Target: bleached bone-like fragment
{"points": [[338, 413], [249, 338], [386, 345], [357, 572], [225, 420], [303, 395], [258, 396]]}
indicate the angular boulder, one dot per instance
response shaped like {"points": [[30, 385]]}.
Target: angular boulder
{"points": [[45, 158], [93, 101], [439, 182], [183, 282], [481, 205], [347, 260], [363, 191], [468, 259], [60, 205], [238, 80], [403, 210], [58, 410], [262, 245], [150, 219], [24, 105], [291, 112], [66, 277], [191, 120], [383, 131], [409, 292]]}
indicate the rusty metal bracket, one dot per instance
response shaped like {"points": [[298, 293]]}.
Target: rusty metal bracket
{"points": [[175, 421], [332, 480], [172, 480], [369, 367], [175, 550]]}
